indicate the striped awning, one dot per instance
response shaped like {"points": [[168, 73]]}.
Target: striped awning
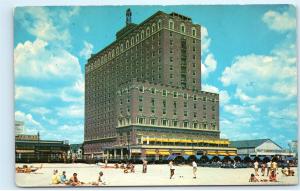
{"points": [[188, 152], [232, 153], [163, 152], [211, 153]]}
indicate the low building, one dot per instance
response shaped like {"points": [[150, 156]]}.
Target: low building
{"points": [[260, 147], [30, 148]]}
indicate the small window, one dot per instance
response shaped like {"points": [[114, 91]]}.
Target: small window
{"points": [[185, 113], [182, 28], [152, 89], [175, 104], [195, 125], [140, 108], [185, 104], [195, 114], [140, 98], [148, 31], [164, 92], [164, 111], [141, 89], [171, 24], [159, 24], [137, 38], [175, 123], [152, 121], [141, 120], [194, 32], [185, 96], [164, 103], [164, 122], [153, 27], [185, 124], [132, 41], [142, 34], [195, 97], [127, 44], [175, 94]]}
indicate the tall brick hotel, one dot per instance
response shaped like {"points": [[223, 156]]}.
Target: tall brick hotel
{"points": [[143, 94]]}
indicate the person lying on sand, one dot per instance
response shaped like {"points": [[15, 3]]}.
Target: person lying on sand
{"points": [[27, 169], [253, 178]]}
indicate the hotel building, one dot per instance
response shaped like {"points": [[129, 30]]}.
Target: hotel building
{"points": [[143, 94]]}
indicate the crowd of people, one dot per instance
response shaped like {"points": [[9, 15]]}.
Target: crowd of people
{"points": [[73, 180], [270, 169]]}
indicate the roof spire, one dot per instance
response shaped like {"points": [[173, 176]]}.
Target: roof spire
{"points": [[128, 16]]}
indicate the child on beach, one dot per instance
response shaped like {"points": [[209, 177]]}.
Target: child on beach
{"points": [[55, 178], [263, 169], [253, 178]]}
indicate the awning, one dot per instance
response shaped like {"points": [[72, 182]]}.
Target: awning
{"points": [[198, 157], [172, 157], [232, 153], [209, 157], [164, 153], [150, 152], [24, 151], [211, 153], [185, 157], [261, 158], [224, 153], [189, 152]]}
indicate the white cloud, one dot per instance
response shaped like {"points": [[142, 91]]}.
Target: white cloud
{"points": [[209, 65], [241, 110], [72, 111], [30, 124], [36, 60], [281, 21], [40, 110], [32, 94], [87, 50], [288, 112], [205, 40]]}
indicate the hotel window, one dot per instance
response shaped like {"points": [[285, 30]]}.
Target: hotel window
{"points": [[194, 81], [213, 108], [185, 96], [137, 38], [140, 108], [171, 51], [194, 41], [152, 101], [152, 109], [142, 34], [194, 65], [164, 103], [148, 31], [113, 53], [185, 104], [175, 123], [128, 109], [182, 28], [194, 31], [174, 112], [175, 104], [171, 42], [153, 27], [195, 106], [171, 34], [194, 57], [121, 101], [159, 24], [141, 120], [195, 114], [194, 49], [171, 24], [141, 89], [132, 41], [171, 76], [175, 95], [204, 98], [127, 44], [164, 92], [204, 126], [171, 59], [195, 125], [164, 122], [152, 121], [185, 113], [140, 98], [171, 67], [185, 124], [195, 98], [153, 89], [164, 111], [204, 116], [213, 116], [204, 107], [194, 73]]}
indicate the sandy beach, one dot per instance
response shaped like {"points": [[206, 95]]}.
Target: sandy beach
{"points": [[157, 175]]}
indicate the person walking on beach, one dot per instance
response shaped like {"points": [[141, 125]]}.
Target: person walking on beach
{"points": [[268, 167], [145, 166], [274, 166], [172, 169], [256, 168], [194, 165]]}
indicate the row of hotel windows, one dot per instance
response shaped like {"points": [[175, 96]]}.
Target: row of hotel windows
{"points": [[167, 123], [165, 93], [141, 36]]}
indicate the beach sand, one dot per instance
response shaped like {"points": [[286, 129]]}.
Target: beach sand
{"points": [[157, 175]]}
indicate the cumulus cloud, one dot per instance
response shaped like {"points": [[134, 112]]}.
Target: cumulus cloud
{"points": [[37, 60], [87, 50], [281, 22], [209, 65], [32, 94], [72, 111], [205, 40], [241, 110], [31, 125]]}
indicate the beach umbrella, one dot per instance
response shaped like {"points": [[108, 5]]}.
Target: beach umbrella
{"points": [[221, 157], [198, 157], [185, 157], [172, 157]]}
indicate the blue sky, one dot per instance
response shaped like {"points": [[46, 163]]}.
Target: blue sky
{"points": [[248, 57]]}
